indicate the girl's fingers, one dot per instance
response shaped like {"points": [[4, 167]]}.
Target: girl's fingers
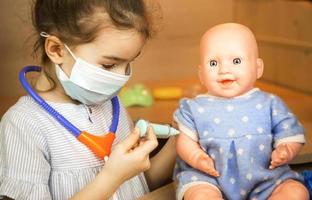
{"points": [[149, 144], [131, 140], [150, 135]]}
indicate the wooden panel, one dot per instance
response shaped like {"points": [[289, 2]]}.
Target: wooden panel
{"points": [[15, 42], [285, 39], [289, 67], [184, 18], [174, 52], [286, 19]]}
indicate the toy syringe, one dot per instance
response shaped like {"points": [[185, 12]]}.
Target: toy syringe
{"points": [[160, 130]]}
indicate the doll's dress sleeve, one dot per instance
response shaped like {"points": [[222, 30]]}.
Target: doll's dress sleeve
{"points": [[285, 125], [185, 119]]}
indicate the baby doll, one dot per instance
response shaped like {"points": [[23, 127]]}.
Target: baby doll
{"points": [[235, 140]]}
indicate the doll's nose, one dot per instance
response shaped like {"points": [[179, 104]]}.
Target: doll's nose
{"points": [[224, 68]]}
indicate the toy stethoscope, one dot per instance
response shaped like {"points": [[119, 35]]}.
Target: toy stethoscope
{"points": [[100, 145]]}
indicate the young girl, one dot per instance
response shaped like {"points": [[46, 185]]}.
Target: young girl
{"points": [[87, 48]]}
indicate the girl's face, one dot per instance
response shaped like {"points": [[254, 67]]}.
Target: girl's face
{"points": [[112, 50]]}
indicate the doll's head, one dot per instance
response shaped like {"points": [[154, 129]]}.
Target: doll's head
{"points": [[229, 62]]}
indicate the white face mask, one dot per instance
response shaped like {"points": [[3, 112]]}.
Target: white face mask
{"points": [[90, 84]]}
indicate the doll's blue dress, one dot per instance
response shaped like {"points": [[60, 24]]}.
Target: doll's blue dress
{"points": [[239, 134]]}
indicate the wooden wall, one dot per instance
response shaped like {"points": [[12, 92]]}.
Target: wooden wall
{"points": [[282, 28], [284, 33], [173, 54], [15, 44]]}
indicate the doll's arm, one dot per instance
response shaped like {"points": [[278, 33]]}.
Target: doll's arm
{"points": [[193, 155], [284, 153]]}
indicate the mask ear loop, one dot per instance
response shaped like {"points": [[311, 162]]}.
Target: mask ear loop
{"points": [[71, 53], [44, 34]]}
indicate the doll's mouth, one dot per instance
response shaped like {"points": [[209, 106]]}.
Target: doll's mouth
{"points": [[226, 82]]}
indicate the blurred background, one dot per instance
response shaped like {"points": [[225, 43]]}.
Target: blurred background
{"points": [[282, 27], [283, 30]]}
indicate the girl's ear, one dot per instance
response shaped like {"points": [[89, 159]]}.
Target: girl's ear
{"points": [[260, 67], [54, 49]]}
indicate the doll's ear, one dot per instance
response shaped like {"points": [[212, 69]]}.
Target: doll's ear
{"points": [[260, 67], [54, 49]]}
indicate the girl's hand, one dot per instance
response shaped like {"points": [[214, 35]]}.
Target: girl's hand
{"points": [[127, 159], [131, 156]]}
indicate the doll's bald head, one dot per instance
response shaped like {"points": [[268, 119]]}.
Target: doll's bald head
{"points": [[229, 35]]}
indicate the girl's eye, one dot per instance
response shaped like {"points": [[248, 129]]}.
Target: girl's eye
{"points": [[108, 66], [237, 61], [213, 63]]}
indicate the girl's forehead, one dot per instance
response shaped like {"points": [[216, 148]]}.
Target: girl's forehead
{"points": [[119, 34], [116, 41]]}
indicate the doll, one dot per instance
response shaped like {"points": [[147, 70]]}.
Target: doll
{"points": [[235, 140]]}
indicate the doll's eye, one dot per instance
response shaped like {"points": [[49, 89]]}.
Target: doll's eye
{"points": [[213, 63], [237, 61]]}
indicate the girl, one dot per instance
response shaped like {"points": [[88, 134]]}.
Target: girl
{"points": [[87, 48]]}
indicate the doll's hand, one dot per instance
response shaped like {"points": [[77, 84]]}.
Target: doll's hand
{"points": [[206, 164], [131, 156], [280, 156]]}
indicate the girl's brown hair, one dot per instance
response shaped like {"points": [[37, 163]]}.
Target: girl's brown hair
{"points": [[79, 21]]}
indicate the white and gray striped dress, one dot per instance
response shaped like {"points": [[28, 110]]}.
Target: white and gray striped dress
{"points": [[40, 159]]}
